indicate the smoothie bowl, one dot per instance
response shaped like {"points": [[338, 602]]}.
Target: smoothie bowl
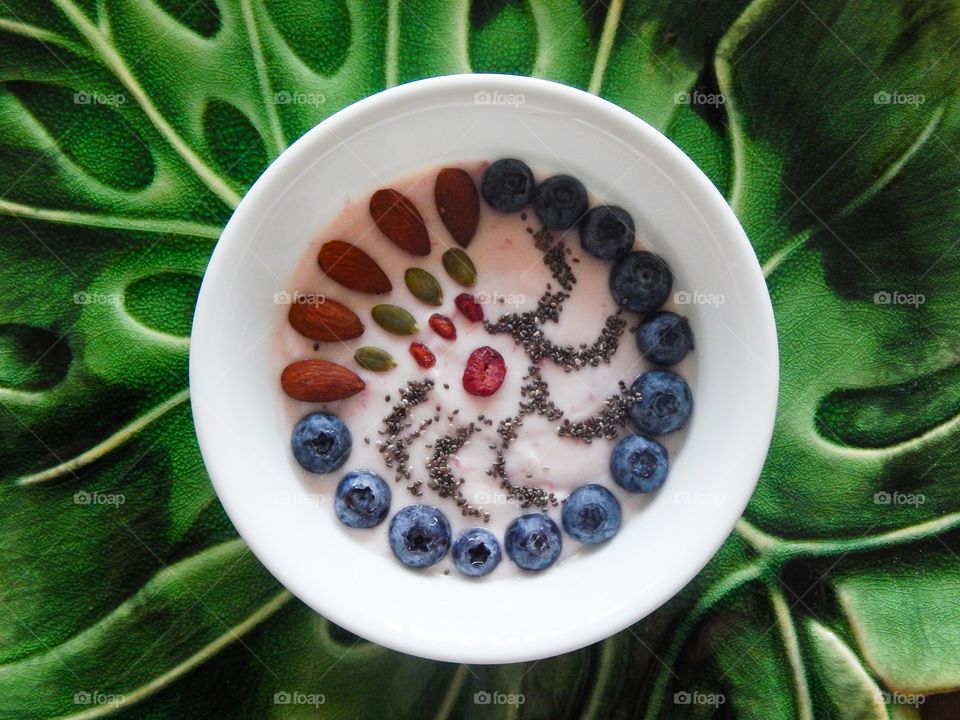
{"points": [[484, 381]]}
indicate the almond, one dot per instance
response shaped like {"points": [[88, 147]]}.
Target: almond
{"points": [[327, 321], [353, 268], [458, 204], [319, 381], [398, 219]]}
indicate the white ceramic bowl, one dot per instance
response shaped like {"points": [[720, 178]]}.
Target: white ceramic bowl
{"points": [[245, 437]]}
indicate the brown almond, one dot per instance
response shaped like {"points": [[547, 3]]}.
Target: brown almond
{"points": [[398, 219], [319, 381], [353, 268], [458, 204], [327, 320]]}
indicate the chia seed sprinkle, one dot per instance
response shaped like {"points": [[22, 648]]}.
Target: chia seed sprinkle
{"points": [[526, 330], [394, 447], [442, 479], [608, 421]]}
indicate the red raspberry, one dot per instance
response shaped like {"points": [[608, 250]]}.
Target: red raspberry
{"points": [[466, 304], [485, 372], [422, 354], [443, 326]]}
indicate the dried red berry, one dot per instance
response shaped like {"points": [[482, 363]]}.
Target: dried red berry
{"points": [[443, 326], [468, 305], [485, 372], [422, 354]]}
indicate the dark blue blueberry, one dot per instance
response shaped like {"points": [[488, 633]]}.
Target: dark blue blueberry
{"points": [[640, 282], [639, 464], [607, 232], [321, 442], [560, 202], [507, 185], [362, 499], [419, 536], [476, 552], [664, 338], [591, 514], [665, 402], [533, 541]]}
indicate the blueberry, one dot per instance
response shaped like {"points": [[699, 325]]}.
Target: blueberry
{"points": [[507, 185], [533, 541], [362, 499], [321, 442], [591, 514], [665, 402], [419, 536], [476, 552], [640, 282], [607, 232], [560, 202], [664, 338], [639, 464]]}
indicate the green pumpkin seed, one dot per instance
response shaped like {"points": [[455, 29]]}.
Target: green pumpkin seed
{"points": [[394, 319], [373, 358], [460, 267], [424, 286]]}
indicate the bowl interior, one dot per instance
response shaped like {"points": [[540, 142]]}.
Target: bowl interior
{"points": [[244, 435]]}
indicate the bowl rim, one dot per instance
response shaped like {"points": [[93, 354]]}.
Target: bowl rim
{"points": [[286, 169]]}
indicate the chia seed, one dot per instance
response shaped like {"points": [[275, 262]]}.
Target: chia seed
{"points": [[608, 421]]}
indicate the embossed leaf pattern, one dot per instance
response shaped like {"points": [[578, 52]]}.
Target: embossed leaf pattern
{"points": [[130, 130]]}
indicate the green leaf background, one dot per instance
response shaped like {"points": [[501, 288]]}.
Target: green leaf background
{"points": [[129, 129]]}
